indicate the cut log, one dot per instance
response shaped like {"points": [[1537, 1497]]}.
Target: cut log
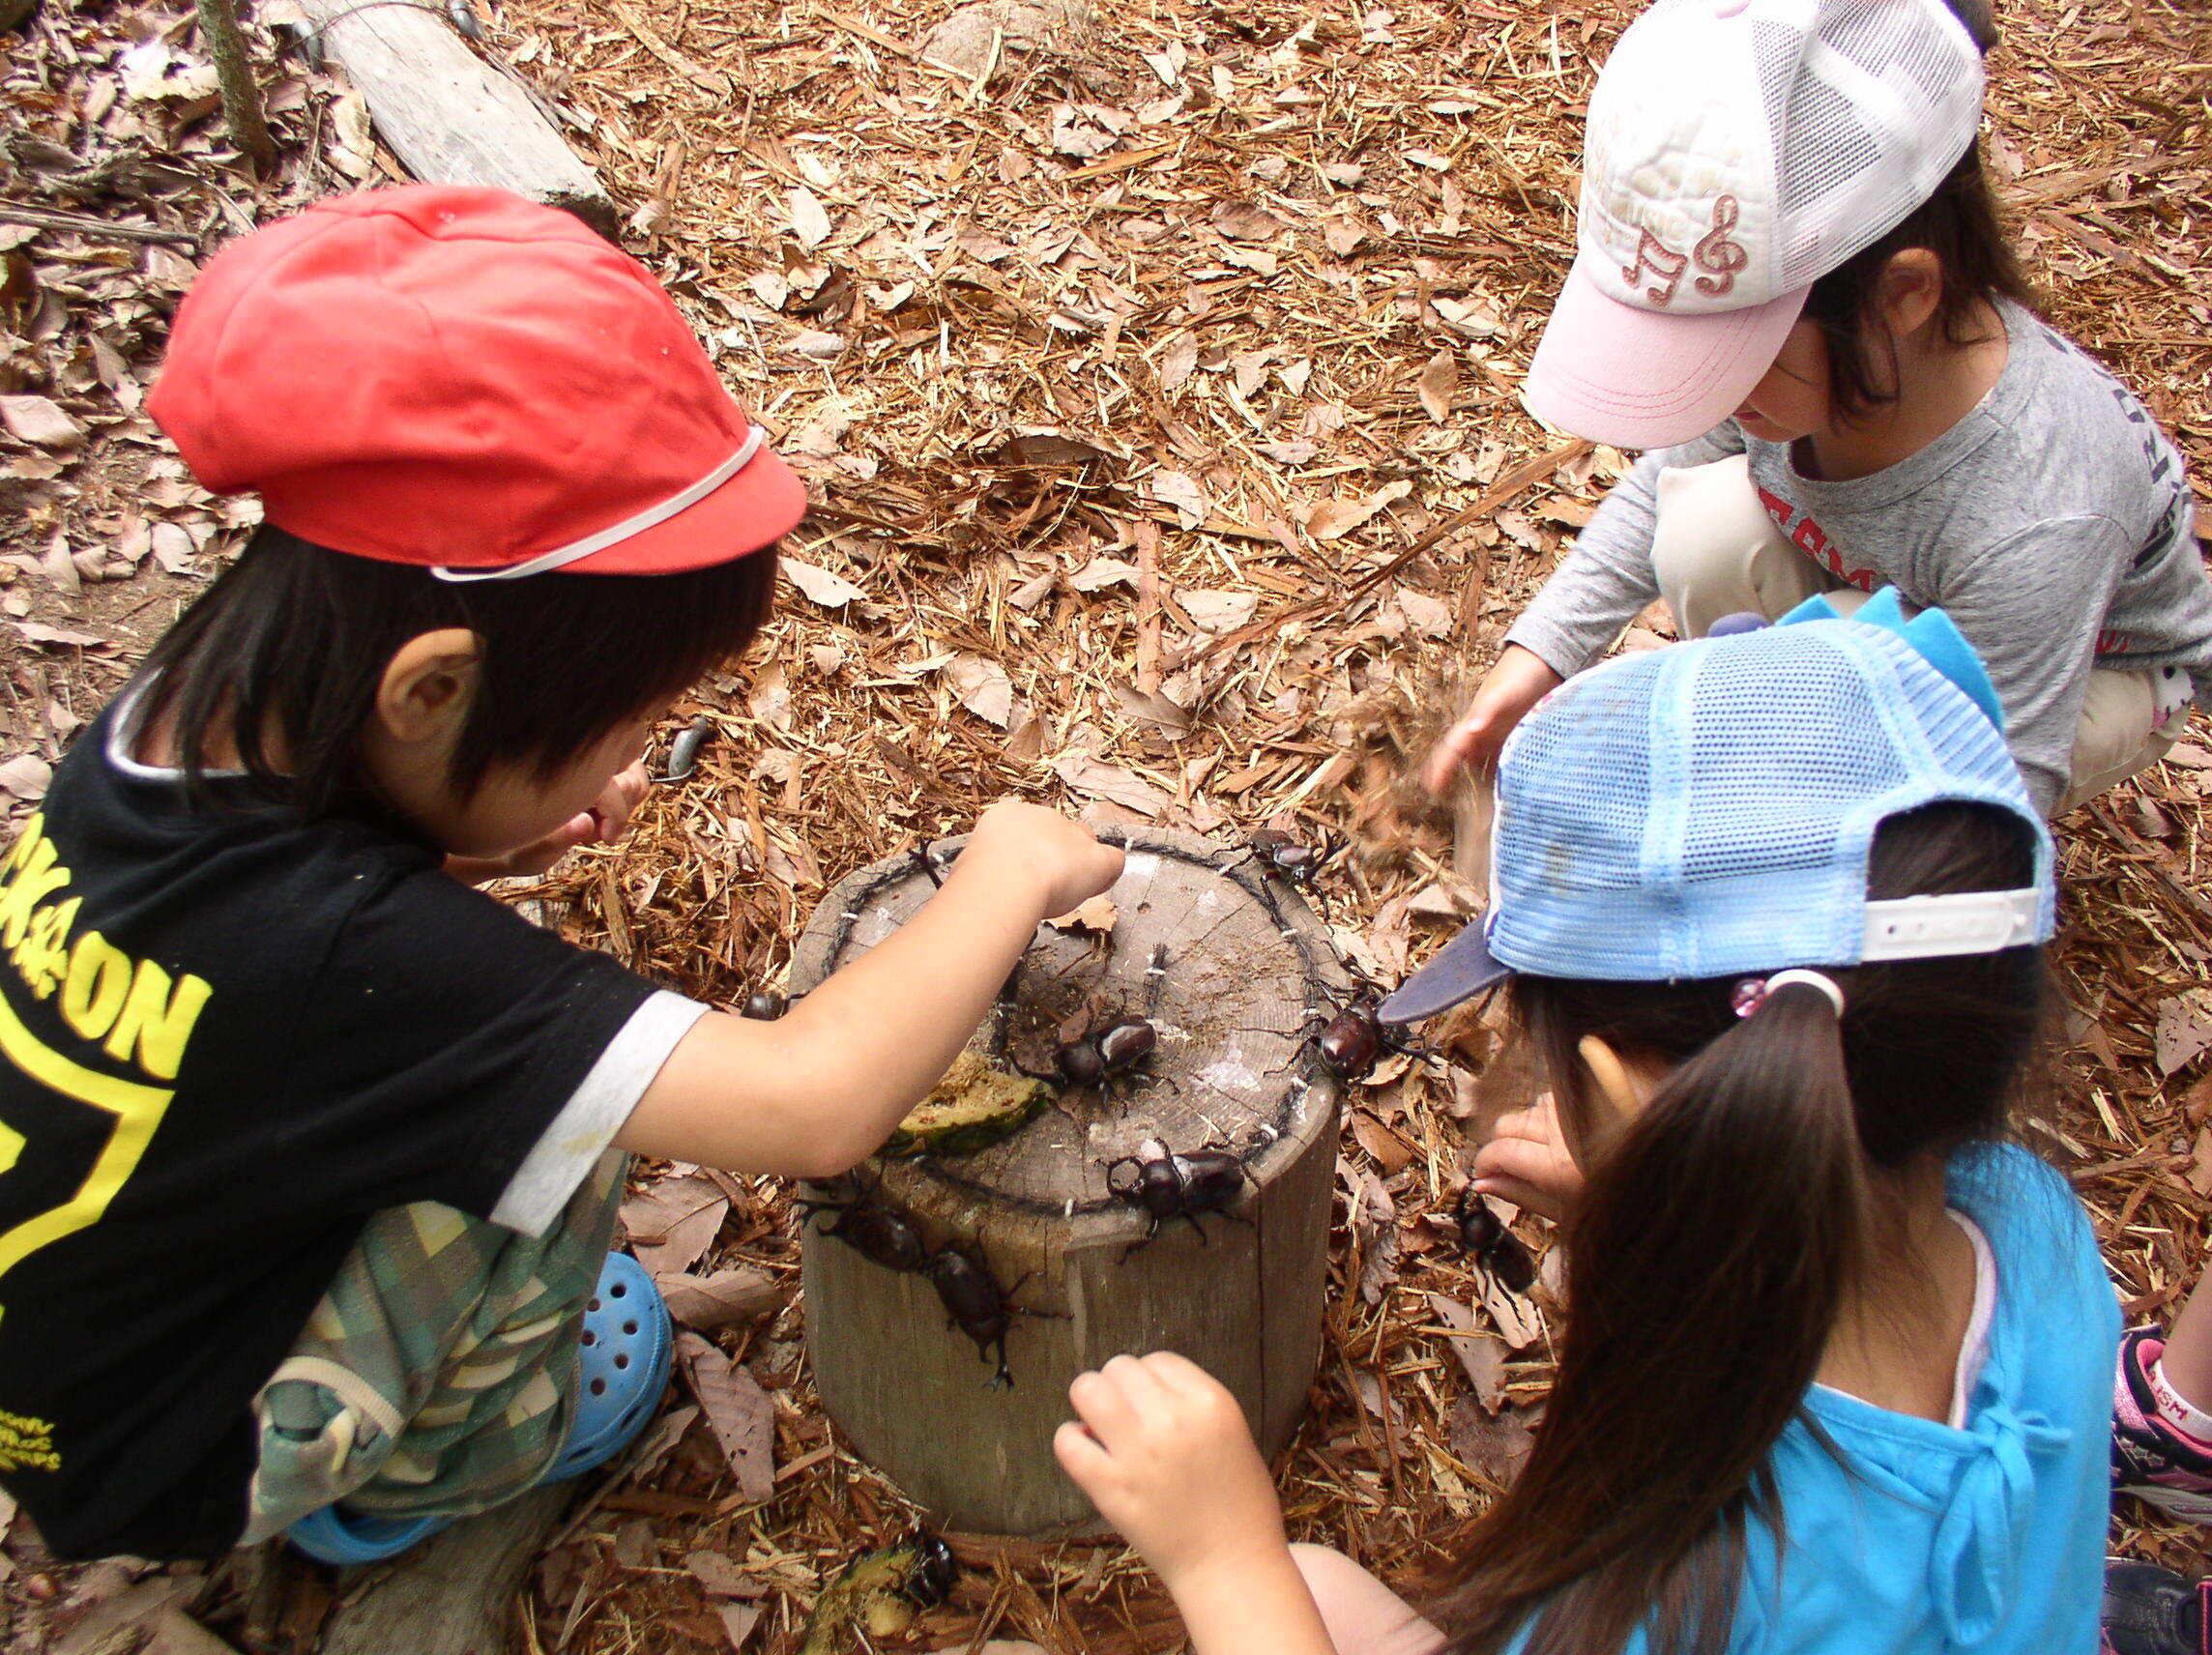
{"points": [[454, 1593], [1248, 973], [448, 115]]}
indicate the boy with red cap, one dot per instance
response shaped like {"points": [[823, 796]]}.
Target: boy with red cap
{"points": [[309, 1154], [1792, 292]]}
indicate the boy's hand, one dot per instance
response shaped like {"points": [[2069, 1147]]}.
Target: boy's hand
{"points": [[1526, 1162], [605, 822], [1164, 1454], [1515, 684], [1028, 841]]}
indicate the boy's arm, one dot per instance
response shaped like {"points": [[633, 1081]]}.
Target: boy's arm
{"points": [[821, 1087]]}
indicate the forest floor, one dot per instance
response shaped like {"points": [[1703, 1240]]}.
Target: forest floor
{"points": [[1155, 375]]}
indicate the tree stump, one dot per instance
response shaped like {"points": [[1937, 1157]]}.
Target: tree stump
{"points": [[1250, 974]]}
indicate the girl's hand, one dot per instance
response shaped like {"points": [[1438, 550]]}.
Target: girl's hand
{"points": [[1526, 1162], [605, 822], [1515, 684], [1164, 1454]]}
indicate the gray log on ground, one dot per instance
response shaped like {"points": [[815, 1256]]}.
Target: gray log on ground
{"points": [[454, 1593], [448, 115], [1249, 963]]}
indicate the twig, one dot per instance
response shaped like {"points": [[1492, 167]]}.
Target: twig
{"points": [[240, 98], [84, 224], [1147, 537]]}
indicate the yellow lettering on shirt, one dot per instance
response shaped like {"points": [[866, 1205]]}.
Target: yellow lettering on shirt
{"points": [[142, 1015], [27, 1444]]}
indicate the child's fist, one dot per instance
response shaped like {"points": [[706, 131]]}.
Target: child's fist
{"points": [[1163, 1453], [1064, 858]]}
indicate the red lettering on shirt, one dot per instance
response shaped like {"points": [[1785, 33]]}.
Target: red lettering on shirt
{"points": [[2111, 643], [1812, 541]]}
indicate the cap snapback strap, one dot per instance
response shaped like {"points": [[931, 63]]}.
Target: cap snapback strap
{"points": [[659, 513], [1968, 922]]}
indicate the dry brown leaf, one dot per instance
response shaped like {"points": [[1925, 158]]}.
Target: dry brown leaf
{"points": [[1242, 220], [2184, 1028], [1100, 573], [671, 1223], [722, 1299], [1438, 382], [1481, 1355], [984, 688], [739, 1621], [1375, 1226], [810, 219], [1097, 915], [1388, 1150], [1494, 1448], [39, 422], [739, 1413], [1086, 776], [1180, 490], [831, 591], [26, 776], [1337, 516], [721, 1577], [38, 632], [1516, 1318]]}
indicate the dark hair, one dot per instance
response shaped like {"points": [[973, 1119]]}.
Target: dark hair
{"points": [[1716, 1240], [1959, 225], [285, 650]]}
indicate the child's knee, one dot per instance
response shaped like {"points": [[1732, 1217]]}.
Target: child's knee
{"points": [[1363, 1615]]}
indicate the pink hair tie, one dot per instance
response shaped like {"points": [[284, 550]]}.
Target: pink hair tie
{"points": [[1750, 993]]}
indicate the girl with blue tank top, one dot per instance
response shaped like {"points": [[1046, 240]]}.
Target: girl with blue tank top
{"points": [[1835, 1365]]}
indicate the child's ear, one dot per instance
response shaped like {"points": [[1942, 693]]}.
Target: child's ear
{"points": [[1909, 289], [1622, 1092], [427, 685]]}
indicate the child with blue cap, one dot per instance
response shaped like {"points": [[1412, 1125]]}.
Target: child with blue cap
{"points": [[1769, 909]]}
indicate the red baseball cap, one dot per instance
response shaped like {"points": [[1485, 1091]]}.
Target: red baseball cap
{"points": [[463, 378]]}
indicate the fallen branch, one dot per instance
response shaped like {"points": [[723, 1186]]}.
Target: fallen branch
{"points": [[83, 224]]}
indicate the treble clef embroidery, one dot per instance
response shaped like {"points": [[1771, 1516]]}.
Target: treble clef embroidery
{"points": [[1662, 261], [1717, 252]]}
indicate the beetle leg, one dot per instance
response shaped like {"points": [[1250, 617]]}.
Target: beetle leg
{"points": [[1191, 1219]]}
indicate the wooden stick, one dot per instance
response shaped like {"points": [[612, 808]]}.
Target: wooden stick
{"points": [[1147, 537], [450, 116], [240, 98], [83, 224]]}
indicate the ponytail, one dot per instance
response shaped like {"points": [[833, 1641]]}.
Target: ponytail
{"points": [[1719, 1234], [1707, 1261]]}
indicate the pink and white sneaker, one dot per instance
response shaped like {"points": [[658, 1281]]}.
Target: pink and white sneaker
{"points": [[2153, 1458]]}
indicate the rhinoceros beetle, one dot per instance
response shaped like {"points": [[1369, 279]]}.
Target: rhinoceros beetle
{"points": [[1287, 858], [765, 1006], [977, 1305], [1496, 1249], [935, 1569], [871, 1226], [1167, 1186], [1352, 1040]]}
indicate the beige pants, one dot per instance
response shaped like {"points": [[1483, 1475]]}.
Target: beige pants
{"points": [[1716, 552]]}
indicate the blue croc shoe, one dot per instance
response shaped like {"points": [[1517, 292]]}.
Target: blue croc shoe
{"points": [[622, 1365]]}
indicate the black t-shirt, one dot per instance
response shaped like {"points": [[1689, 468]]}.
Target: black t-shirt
{"points": [[231, 1037]]}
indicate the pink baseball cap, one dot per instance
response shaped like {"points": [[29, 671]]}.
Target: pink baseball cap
{"points": [[1737, 152], [460, 378]]}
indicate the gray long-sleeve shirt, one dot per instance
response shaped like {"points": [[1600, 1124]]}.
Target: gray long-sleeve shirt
{"points": [[2053, 523]]}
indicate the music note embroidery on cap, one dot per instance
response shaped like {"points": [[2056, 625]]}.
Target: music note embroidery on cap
{"points": [[1662, 261], [1719, 253]]}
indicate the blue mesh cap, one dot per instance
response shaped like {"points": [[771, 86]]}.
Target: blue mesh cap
{"points": [[1709, 808]]}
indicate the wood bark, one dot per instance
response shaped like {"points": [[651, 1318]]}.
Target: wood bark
{"points": [[1241, 1294], [234, 75], [448, 115], [454, 1593]]}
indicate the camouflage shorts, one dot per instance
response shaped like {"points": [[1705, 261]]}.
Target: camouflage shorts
{"points": [[437, 1376]]}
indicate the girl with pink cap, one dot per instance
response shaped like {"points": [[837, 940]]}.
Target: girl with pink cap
{"points": [[1793, 293]]}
